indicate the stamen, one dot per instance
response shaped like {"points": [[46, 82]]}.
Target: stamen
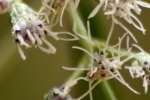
{"points": [[126, 29], [51, 49], [74, 69], [21, 52], [30, 36], [95, 10], [84, 50]]}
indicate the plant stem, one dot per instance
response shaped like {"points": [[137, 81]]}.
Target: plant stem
{"points": [[109, 94], [80, 28]]}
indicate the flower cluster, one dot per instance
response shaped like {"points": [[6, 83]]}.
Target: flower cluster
{"points": [[62, 92], [140, 68], [103, 68], [58, 94], [123, 9], [108, 64], [31, 28]]}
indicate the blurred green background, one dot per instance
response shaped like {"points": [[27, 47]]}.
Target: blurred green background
{"points": [[31, 79]]}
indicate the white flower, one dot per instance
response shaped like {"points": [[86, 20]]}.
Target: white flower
{"points": [[62, 92], [125, 9], [141, 67], [58, 94], [111, 69], [136, 71], [104, 68], [144, 59], [29, 30]]}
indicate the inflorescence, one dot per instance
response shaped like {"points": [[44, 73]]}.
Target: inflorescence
{"points": [[32, 28], [29, 29]]}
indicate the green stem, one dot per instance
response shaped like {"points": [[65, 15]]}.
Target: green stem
{"points": [[78, 25], [108, 90], [80, 28]]}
